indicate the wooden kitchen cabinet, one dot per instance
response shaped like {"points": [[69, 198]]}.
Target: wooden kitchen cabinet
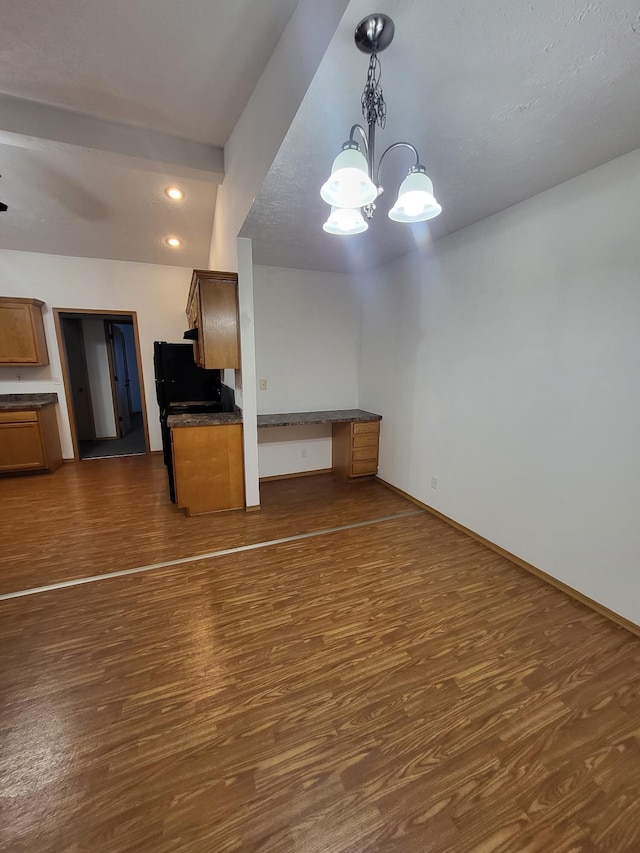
{"points": [[208, 467], [22, 338], [212, 309], [355, 448], [29, 441]]}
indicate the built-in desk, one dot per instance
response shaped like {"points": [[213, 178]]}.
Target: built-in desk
{"points": [[354, 433]]}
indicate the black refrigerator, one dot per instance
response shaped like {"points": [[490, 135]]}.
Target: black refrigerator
{"points": [[183, 388]]}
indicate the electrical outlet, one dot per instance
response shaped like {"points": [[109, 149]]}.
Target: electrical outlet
{"points": [[434, 482], [18, 377], [57, 380], [263, 384], [303, 453]]}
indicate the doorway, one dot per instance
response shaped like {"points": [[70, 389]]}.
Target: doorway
{"points": [[102, 374]]}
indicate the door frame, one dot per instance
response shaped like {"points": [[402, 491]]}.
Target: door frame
{"points": [[105, 314]]}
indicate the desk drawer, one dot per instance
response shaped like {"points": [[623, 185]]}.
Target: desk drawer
{"points": [[366, 427], [365, 439], [360, 453], [359, 469]]}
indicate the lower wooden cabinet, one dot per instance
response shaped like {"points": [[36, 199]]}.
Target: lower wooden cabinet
{"points": [[208, 467], [355, 448], [29, 441]]}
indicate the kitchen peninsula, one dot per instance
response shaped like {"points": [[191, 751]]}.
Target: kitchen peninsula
{"points": [[208, 465], [207, 452]]}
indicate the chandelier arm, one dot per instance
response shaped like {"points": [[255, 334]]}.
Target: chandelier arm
{"points": [[389, 149], [362, 134]]}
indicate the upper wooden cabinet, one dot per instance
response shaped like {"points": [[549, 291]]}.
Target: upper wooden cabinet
{"points": [[212, 309], [22, 340]]}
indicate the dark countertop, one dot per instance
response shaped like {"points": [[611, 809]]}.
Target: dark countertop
{"points": [[208, 419], [300, 418], [25, 402], [286, 419]]}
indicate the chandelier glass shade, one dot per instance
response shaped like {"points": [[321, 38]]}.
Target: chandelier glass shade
{"points": [[345, 221], [415, 202], [351, 184]]}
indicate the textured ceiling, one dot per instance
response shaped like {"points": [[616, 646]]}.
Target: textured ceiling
{"points": [[503, 100], [185, 68]]}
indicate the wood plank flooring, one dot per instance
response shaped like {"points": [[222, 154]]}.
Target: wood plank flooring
{"points": [[102, 515], [389, 688]]}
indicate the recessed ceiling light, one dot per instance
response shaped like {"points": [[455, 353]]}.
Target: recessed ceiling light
{"points": [[174, 242], [174, 193]]}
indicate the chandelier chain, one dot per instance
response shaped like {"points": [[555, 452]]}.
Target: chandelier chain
{"points": [[374, 109]]}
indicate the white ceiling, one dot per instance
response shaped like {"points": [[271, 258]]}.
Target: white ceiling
{"points": [[502, 100], [185, 68], [177, 71], [78, 201]]}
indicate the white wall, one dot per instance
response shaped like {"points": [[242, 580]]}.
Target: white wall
{"points": [[158, 294], [292, 450], [95, 345], [307, 333], [505, 363]]}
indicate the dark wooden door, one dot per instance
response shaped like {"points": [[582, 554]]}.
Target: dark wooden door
{"points": [[121, 380], [79, 378]]}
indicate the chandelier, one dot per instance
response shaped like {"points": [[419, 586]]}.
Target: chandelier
{"points": [[351, 185]]}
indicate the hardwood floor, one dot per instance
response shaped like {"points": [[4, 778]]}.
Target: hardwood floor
{"points": [[102, 515], [392, 687]]}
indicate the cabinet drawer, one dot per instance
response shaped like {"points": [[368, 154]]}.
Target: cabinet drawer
{"points": [[360, 453], [366, 426], [18, 417], [364, 467], [365, 439]]}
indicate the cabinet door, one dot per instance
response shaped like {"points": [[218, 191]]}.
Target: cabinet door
{"points": [[219, 338], [208, 467], [21, 446], [22, 340]]}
